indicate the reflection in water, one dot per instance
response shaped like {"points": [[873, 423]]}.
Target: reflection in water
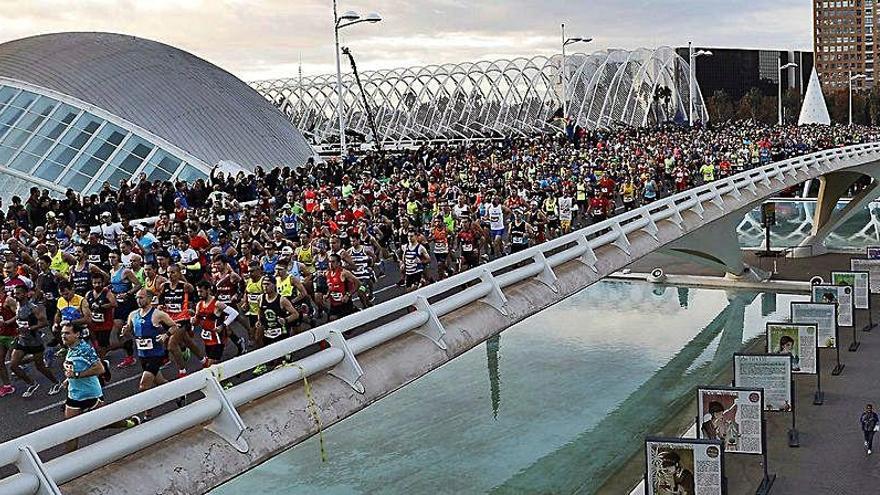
{"points": [[794, 222], [492, 346], [584, 381], [683, 297]]}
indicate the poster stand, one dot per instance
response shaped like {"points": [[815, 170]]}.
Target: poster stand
{"points": [[838, 369], [819, 395], [769, 478], [793, 435]]}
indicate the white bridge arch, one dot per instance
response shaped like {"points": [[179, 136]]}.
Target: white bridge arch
{"points": [[488, 99]]}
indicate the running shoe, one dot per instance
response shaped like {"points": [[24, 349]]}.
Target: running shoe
{"points": [[132, 422], [181, 373], [126, 362], [56, 387], [6, 390], [31, 390], [259, 370]]}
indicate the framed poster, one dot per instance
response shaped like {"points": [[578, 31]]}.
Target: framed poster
{"points": [[732, 416], [824, 315], [800, 340], [871, 266], [859, 283], [842, 296], [683, 466], [872, 252], [771, 372]]}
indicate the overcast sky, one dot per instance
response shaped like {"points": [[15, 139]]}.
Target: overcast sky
{"points": [[258, 39]]}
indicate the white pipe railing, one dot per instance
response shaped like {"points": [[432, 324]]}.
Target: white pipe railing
{"points": [[480, 283]]}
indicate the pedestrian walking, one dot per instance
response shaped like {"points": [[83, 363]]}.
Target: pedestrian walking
{"points": [[870, 424]]}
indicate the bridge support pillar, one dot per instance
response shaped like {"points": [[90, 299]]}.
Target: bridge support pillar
{"points": [[826, 218], [715, 245]]}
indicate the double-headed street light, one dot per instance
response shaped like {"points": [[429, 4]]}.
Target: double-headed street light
{"points": [[781, 67], [853, 77], [566, 42], [692, 77], [349, 18]]}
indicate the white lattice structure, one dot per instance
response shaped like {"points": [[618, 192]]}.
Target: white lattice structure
{"points": [[492, 98]]}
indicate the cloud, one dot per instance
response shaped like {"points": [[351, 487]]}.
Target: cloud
{"points": [[257, 39]]}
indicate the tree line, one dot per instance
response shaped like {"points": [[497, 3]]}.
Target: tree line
{"points": [[760, 107]]}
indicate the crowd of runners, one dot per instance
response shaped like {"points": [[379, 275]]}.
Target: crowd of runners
{"points": [[250, 259]]}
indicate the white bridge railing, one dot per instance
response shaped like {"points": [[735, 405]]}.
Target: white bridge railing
{"points": [[483, 283]]}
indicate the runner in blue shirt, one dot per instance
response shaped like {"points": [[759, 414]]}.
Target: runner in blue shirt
{"points": [[83, 369]]}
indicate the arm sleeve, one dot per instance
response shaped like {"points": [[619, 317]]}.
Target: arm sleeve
{"points": [[231, 314]]}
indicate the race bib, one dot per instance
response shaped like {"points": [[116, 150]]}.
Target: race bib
{"points": [[253, 298], [173, 307], [98, 317], [94, 258], [336, 296], [207, 335], [144, 344], [272, 333], [23, 324], [467, 247], [519, 240]]}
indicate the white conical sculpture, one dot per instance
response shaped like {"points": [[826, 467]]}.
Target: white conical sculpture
{"points": [[814, 111]]}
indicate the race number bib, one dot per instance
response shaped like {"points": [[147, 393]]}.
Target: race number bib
{"points": [[144, 344], [173, 307], [519, 240], [467, 247], [253, 298], [272, 333], [23, 324], [207, 334], [98, 317]]}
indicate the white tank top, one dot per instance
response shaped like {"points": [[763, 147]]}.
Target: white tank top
{"points": [[496, 217]]}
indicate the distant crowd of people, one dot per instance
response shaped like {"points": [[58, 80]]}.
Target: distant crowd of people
{"points": [[252, 258]]}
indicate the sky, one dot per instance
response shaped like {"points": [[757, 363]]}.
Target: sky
{"points": [[265, 39]]}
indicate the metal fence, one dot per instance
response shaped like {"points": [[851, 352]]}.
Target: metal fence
{"points": [[484, 283]]}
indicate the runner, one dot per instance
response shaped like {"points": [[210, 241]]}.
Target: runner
{"points": [[342, 286], [124, 285], [83, 369], [414, 259], [174, 299], [275, 316], [211, 321], [151, 329], [102, 303], [30, 319]]}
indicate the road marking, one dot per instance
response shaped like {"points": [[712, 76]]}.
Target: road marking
{"points": [[56, 404]]}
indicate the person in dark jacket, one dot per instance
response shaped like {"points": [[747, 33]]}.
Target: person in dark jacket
{"points": [[869, 421]]}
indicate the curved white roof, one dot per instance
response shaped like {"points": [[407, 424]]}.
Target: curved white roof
{"points": [[182, 99]]}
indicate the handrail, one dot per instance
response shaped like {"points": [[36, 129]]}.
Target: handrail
{"points": [[479, 283]]}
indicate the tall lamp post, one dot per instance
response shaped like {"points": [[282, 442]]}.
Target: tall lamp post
{"points": [[852, 77], [566, 42], [781, 67], [692, 76], [349, 18]]}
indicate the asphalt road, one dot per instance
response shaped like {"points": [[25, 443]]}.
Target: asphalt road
{"points": [[19, 415]]}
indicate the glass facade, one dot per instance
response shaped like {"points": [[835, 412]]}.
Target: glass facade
{"points": [[72, 148]]}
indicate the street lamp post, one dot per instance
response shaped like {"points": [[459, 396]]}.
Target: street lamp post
{"points": [[566, 42], [782, 68], [692, 77], [851, 79], [341, 21]]}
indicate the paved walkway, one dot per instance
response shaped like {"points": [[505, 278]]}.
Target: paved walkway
{"points": [[831, 458]]}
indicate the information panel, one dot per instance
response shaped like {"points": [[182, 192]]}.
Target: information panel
{"points": [[771, 372], [873, 252], [675, 466], [798, 340], [840, 295], [824, 315], [859, 283], [732, 416], [870, 266]]}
